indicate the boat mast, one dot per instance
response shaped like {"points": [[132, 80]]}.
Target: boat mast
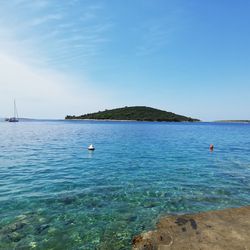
{"points": [[15, 110]]}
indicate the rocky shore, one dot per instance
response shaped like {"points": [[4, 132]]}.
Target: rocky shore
{"points": [[227, 229]]}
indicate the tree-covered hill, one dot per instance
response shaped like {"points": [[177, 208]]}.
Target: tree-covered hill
{"points": [[136, 113]]}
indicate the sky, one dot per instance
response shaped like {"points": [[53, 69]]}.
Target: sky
{"points": [[60, 57]]}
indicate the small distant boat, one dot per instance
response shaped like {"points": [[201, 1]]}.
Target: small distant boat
{"points": [[15, 117], [91, 147]]}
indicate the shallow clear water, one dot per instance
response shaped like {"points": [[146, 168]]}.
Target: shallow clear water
{"points": [[54, 194]]}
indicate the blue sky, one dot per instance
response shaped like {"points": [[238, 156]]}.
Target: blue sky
{"points": [[72, 57]]}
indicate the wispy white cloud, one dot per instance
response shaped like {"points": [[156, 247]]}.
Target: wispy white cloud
{"points": [[36, 39], [54, 28], [39, 3], [42, 93], [157, 32], [45, 19], [155, 36], [35, 5]]}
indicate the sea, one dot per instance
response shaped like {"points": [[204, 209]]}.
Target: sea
{"points": [[55, 194]]}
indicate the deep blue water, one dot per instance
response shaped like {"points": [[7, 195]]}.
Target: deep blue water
{"points": [[54, 194]]}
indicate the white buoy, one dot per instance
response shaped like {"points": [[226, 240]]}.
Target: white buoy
{"points": [[91, 147]]}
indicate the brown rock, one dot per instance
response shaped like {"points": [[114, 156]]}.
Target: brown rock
{"points": [[221, 230]]}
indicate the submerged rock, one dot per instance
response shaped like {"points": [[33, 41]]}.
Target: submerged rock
{"points": [[14, 237], [67, 200], [41, 228], [132, 218], [69, 222], [16, 226]]}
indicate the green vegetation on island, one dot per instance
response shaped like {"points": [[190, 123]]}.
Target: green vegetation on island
{"points": [[136, 113]]}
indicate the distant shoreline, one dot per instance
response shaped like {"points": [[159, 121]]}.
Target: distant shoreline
{"points": [[78, 119], [234, 121], [217, 121], [108, 120], [105, 120]]}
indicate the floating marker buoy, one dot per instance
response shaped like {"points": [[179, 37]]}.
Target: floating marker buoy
{"points": [[91, 147]]}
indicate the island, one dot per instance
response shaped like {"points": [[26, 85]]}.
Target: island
{"points": [[134, 113]]}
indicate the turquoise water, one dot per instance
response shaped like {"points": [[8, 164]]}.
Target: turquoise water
{"points": [[54, 194]]}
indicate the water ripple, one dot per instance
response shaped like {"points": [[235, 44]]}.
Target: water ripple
{"points": [[56, 194]]}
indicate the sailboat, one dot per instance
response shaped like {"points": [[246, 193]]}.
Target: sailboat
{"points": [[15, 117]]}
